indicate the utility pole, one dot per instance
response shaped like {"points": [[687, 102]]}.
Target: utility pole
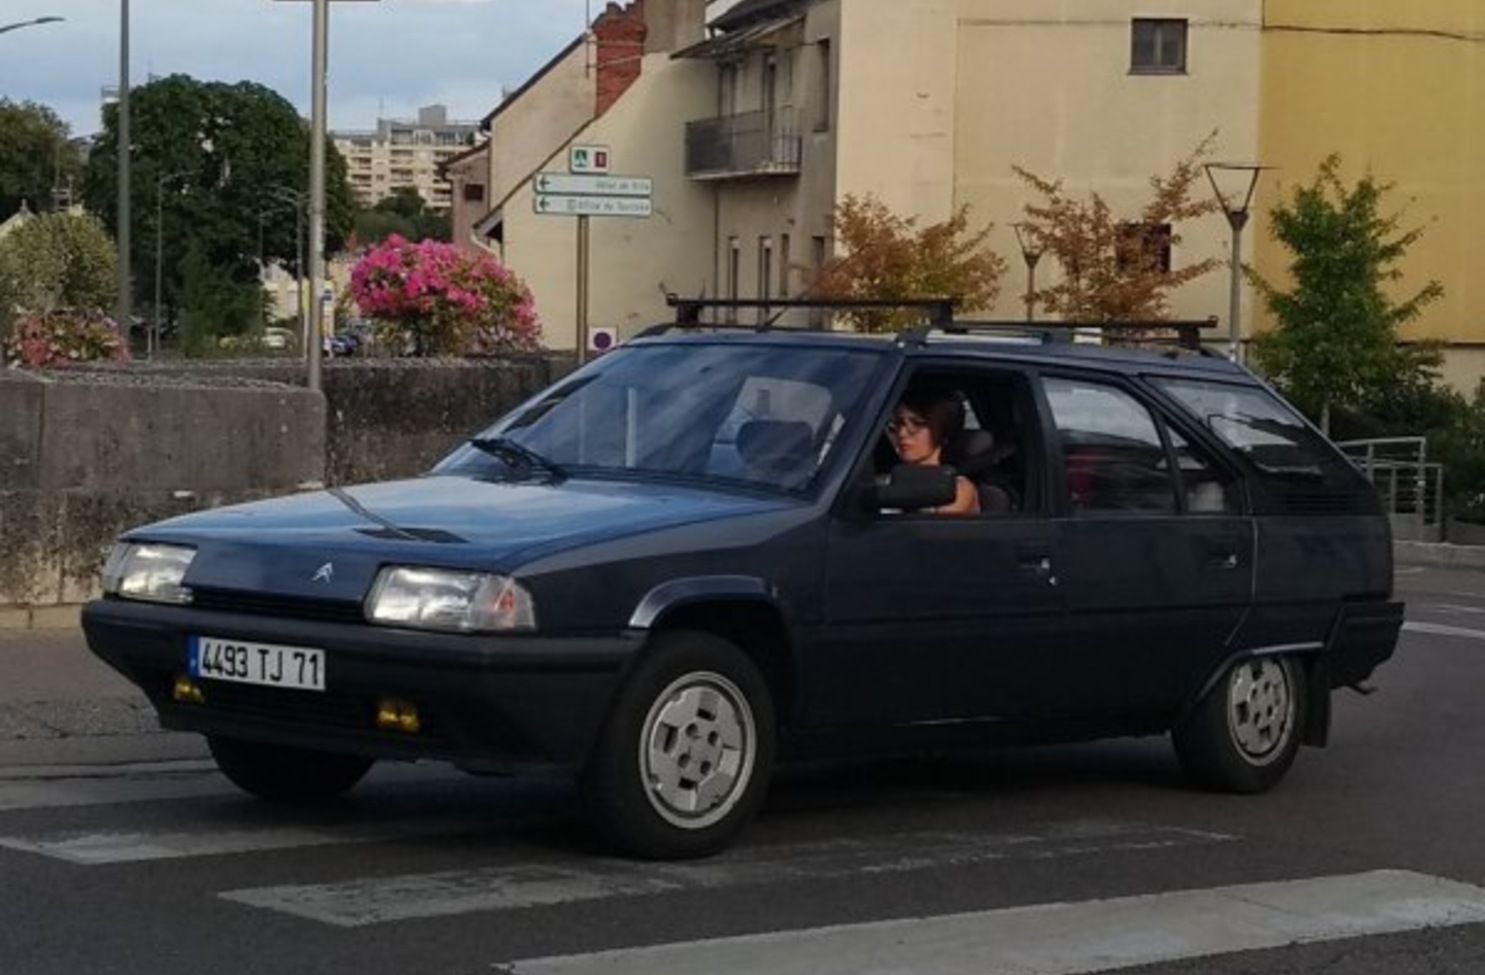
{"points": [[125, 296]]}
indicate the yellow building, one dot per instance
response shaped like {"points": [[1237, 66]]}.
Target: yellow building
{"points": [[1397, 88]]}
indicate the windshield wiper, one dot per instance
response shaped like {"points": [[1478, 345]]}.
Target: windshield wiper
{"points": [[518, 455]]}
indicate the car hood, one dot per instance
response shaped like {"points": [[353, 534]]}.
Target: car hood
{"points": [[330, 544]]}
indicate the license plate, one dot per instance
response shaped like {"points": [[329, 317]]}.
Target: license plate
{"points": [[265, 664]]}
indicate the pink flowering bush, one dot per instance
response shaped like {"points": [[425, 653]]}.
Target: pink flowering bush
{"points": [[62, 339], [444, 302]]}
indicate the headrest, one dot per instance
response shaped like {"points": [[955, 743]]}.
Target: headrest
{"points": [[777, 446]]}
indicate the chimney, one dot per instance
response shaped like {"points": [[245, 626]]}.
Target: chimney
{"points": [[619, 40]]}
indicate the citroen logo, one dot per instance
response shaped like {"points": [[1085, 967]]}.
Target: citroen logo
{"points": [[325, 573]]}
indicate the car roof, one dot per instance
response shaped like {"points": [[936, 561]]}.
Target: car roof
{"points": [[1043, 350]]}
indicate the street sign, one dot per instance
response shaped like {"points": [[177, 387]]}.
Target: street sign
{"points": [[588, 159], [555, 204], [594, 185], [600, 340]]}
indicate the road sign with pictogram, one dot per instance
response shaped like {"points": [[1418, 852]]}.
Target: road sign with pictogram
{"points": [[588, 159]]}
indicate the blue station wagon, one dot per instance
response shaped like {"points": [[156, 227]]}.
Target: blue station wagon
{"points": [[702, 554]]}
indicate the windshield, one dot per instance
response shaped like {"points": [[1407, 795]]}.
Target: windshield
{"points": [[763, 416]]}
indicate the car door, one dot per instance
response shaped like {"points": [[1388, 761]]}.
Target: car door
{"points": [[933, 618], [1156, 543]]}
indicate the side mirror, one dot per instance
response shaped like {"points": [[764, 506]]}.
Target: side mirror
{"points": [[912, 488]]}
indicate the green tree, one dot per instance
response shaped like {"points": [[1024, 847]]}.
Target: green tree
{"points": [[1117, 268], [38, 157], [216, 162], [403, 214], [887, 256], [1335, 338], [55, 261]]}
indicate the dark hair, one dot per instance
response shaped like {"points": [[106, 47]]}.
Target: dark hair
{"points": [[941, 407]]}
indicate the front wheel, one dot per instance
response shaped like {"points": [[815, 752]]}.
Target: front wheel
{"points": [[1244, 734], [282, 774], [685, 756]]}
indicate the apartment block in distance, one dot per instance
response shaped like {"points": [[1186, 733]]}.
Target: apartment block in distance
{"points": [[406, 153]]}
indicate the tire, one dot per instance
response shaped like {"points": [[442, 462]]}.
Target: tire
{"points": [[1243, 735], [684, 757], [278, 773]]}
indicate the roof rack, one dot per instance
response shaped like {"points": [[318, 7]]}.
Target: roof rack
{"points": [[1183, 334], [938, 311]]}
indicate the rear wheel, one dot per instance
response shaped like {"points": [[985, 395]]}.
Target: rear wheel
{"points": [[684, 758], [1244, 734], [282, 774]]}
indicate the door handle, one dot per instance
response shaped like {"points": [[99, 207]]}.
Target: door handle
{"points": [[1041, 566], [1222, 560]]}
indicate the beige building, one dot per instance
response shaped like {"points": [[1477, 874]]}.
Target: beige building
{"points": [[406, 154]]}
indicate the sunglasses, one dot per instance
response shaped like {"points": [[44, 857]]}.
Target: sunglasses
{"points": [[906, 424]]}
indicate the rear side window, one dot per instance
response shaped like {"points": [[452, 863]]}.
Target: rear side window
{"points": [[1261, 427], [1115, 458]]}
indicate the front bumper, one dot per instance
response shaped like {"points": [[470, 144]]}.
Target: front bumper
{"points": [[486, 701]]}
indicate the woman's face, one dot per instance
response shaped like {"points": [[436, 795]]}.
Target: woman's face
{"points": [[912, 437]]}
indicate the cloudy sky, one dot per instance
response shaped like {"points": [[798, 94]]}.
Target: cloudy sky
{"points": [[387, 58]]}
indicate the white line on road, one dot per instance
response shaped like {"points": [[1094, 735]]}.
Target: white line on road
{"points": [[374, 900], [1066, 939], [1439, 629]]}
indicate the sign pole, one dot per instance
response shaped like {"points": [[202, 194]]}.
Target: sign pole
{"points": [[582, 289]]}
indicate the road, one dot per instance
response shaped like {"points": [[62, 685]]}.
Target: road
{"points": [[122, 851]]}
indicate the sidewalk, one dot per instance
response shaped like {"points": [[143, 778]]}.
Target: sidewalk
{"points": [[60, 705]]}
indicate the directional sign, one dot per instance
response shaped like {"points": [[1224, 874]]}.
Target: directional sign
{"points": [[594, 185], [567, 205]]}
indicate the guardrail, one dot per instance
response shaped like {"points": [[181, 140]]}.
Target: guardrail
{"points": [[1410, 486]]}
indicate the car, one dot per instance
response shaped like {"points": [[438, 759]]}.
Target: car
{"points": [[696, 558], [278, 339]]}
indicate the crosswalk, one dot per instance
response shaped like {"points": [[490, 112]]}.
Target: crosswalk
{"points": [[1035, 939]]}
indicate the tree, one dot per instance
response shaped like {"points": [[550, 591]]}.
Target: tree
{"points": [[886, 256], [403, 214], [1335, 338], [1116, 268], [440, 301], [56, 261], [212, 159], [37, 157]]}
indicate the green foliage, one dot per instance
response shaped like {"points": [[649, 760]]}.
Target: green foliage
{"points": [[888, 257], [403, 214], [57, 260], [1113, 267], [37, 156], [46, 341], [213, 164], [1335, 341], [213, 304]]}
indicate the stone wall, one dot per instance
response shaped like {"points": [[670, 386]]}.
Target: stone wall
{"points": [[87, 454]]}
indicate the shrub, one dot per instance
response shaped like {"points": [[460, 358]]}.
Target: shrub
{"points": [[444, 302], [62, 339]]}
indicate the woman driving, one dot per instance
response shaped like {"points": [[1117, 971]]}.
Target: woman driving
{"points": [[924, 421]]}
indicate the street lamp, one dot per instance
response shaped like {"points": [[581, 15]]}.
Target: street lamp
{"points": [[125, 312], [30, 23], [153, 340], [1234, 184], [1031, 253]]}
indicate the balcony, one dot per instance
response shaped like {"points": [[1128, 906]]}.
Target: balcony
{"points": [[747, 144]]}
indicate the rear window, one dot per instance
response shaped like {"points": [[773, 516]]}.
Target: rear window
{"points": [[1263, 428]]}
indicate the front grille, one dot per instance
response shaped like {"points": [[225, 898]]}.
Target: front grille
{"points": [[286, 607]]}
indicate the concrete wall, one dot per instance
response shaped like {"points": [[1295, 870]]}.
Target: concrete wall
{"points": [[85, 455]]}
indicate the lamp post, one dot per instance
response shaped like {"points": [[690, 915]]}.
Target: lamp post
{"points": [[30, 23], [1234, 183], [153, 341], [125, 311], [1031, 253]]}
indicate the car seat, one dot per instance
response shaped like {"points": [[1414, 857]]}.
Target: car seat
{"points": [[975, 455], [777, 448]]}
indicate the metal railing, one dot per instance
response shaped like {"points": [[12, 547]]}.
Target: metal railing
{"points": [[1410, 486], [745, 144]]}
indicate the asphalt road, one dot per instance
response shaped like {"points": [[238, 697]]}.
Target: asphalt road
{"points": [[122, 851]]}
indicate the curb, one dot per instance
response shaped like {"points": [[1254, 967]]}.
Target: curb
{"points": [[1440, 554], [56, 617]]}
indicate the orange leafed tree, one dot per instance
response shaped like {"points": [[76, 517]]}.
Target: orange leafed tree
{"points": [[885, 256], [1117, 268]]}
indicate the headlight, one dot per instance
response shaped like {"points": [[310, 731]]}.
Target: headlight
{"points": [[151, 572], [448, 599]]}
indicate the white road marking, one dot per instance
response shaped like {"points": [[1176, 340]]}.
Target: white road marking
{"points": [[1453, 608], [367, 901], [1065, 938], [1439, 629]]}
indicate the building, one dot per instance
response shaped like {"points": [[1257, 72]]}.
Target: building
{"points": [[754, 125], [406, 154]]}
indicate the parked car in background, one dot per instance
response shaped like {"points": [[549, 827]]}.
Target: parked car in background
{"points": [[698, 556]]}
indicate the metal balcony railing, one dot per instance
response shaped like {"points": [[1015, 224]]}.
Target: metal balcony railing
{"points": [[1411, 487], [747, 144]]}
